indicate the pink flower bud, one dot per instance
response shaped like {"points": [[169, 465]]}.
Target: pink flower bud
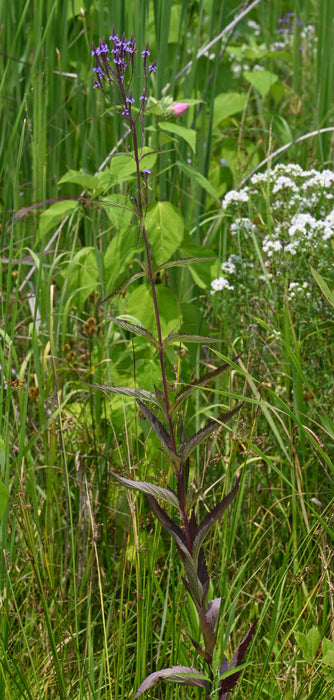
{"points": [[179, 108]]}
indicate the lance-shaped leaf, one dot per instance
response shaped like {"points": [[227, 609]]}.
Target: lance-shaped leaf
{"points": [[204, 433], [133, 328], [212, 612], [184, 262], [188, 338], [123, 285], [159, 430], [211, 518], [146, 487], [195, 587], [202, 381], [229, 682], [141, 394], [185, 675], [208, 619]]}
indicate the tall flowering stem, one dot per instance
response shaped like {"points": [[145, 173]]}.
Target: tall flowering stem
{"points": [[114, 70]]}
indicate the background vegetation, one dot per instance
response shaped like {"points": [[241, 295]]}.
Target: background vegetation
{"points": [[91, 597]]}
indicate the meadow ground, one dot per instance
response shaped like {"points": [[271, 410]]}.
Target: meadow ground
{"points": [[237, 194]]}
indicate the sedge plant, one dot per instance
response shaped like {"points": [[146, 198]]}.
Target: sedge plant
{"points": [[116, 70]]}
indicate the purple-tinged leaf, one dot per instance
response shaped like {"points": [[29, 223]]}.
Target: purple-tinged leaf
{"points": [[212, 517], [202, 381], [195, 587], [202, 570], [212, 614], [204, 433], [168, 523], [185, 675], [165, 494], [158, 428], [199, 649], [229, 682]]}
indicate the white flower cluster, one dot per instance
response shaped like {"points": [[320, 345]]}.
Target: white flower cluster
{"points": [[235, 197], [298, 234], [229, 268]]}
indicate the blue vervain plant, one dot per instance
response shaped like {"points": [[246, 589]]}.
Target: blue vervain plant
{"points": [[115, 71]]}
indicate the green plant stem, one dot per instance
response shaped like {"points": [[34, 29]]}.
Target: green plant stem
{"points": [[142, 230]]}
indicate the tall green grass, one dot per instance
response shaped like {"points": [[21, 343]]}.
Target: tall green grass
{"points": [[90, 591]]}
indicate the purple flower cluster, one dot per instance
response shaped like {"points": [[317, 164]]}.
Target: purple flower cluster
{"points": [[114, 68], [288, 22]]}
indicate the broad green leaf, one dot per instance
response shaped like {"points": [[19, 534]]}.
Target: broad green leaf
{"points": [[118, 211], [146, 487], [309, 643], [184, 675], [188, 135], [329, 294], [200, 268], [78, 177], [119, 255], [165, 229], [197, 177], [140, 305], [52, 216], [227, 104], [82, 275], [262, 80], [123, 165], [313, 639]]}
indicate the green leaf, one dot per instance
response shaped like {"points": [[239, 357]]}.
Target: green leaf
{"points": [[3, 498], [165, 229], [52, 216], [146, 487], [200, 268], [188, 135], [140, 394], [118, 211], [323, 286], [309, 643], [123, 165], [262, 80], [133, 328], [140, 305], [227, 104], [81, 275], [200, 179], [78, 177], [119, 255]]}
